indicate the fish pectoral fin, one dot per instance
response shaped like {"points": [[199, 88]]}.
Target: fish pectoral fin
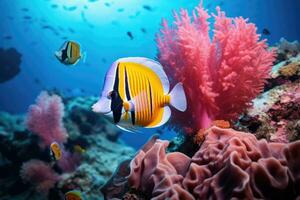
{"points": [[165, 117], [128, 129]]}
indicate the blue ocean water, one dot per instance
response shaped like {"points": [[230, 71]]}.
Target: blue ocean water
{"points": [[37, 28]]}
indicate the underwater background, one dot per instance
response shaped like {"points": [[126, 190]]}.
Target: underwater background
{"points": [[38, 28], [106, 30]]}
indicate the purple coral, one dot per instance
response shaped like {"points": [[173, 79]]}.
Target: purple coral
{"points": [[39, 174], [229, 164], [45, 119]]}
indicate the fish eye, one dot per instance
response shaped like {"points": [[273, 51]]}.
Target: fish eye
{"points": [[109, 95]]}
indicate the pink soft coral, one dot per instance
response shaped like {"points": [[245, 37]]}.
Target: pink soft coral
{"points": [[45, 119], [39, 174], [221, 76]]}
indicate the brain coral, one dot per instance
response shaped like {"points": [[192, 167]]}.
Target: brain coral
{"points": [[229, 164]]}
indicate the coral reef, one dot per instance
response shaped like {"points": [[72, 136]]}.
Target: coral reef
{"points": [[226, 163], [221, 76], [102, 152], [159, 175], [275, 114], [100, 160], [10, 60], [260, 170], [229, 164], [287, 49]]}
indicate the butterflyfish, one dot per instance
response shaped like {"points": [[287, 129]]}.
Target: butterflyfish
{"points": [[69, 53], [55, 151], [74, 195], [136, 94]]}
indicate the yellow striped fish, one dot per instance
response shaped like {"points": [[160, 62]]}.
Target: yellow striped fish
{"points": [[55, 151], [136, 93], [69, 53]]}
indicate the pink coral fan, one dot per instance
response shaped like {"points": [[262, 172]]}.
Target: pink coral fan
{"points": [[45, 119], [221, 76], [229, 164], [39, 174]]}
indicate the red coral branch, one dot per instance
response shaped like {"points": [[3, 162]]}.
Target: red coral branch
{"points": [[221, 76]]}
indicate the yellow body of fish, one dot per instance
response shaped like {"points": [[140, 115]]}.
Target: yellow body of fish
{"points": [[73, 52], [146, 89], [56, 151]]}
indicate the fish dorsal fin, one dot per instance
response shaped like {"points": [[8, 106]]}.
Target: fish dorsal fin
{"points": [[63, 46], [166, 116], [152, 64]]}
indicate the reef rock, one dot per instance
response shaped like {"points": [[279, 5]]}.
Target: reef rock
{"points": [[10, 60], [101, 153], [287, 49], [80, 119], [99, 162], [229, 164], [275, 114]]}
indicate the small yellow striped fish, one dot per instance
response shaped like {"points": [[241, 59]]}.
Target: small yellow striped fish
{"points": [[136, 93], [55, 151], [69, 53]]}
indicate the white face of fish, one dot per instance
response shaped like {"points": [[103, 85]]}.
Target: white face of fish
{"points": [[102, 106], [58, 54], [104, 103]]}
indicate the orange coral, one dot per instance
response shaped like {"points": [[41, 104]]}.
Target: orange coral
{"points": [[200, 135], [290, 69], [221, 123]]}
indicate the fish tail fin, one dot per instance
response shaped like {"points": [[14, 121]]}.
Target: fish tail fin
{"points": [[178, 98], [83, 56]]}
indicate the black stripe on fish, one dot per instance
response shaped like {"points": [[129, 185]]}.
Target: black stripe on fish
{"points": [[71, 47], [116, 101], [132, 117], [128, 96], [64, 53], [126, 86], [150, 92]]}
